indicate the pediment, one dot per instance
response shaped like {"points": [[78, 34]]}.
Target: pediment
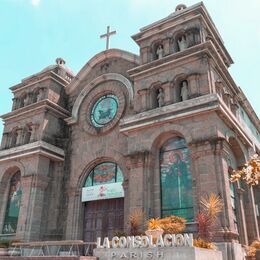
{"points": [[99, 59]]}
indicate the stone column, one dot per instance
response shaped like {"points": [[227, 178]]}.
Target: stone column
{"points": [[74, 227], [137, 182], [167, 93], [144, 96], [250, 213], [228, 231], [241, 219], [14, 103], [30, 216], [193, 82], [34, 133], [19, 140], [22, 232], [166, 46], [18, 103], [144, 53], [4, 140]]}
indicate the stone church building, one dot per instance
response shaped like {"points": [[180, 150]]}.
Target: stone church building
{"points": [[154, 132]]}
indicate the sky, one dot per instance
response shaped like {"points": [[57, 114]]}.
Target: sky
{"points": [[33, 33]]}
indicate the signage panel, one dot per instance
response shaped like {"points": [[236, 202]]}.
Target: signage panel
{"points": [[102, 192]]}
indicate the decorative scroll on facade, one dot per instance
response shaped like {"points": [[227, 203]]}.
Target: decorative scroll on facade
{"points": [[176, 179]]}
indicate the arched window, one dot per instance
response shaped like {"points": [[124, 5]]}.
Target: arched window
{"points": [[176, 180], [104, 173], [13, 205], [103, 182]]}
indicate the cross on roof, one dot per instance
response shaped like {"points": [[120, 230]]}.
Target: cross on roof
{"points": [[107, 36]]}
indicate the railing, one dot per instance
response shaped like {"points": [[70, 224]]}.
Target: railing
{"points": [[53, 248]]}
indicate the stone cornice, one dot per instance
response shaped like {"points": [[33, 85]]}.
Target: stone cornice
{"points": [[169, 113], [43, 105], [181, 110], [37, 78], [194, 11], [196, 52], [232, 121], [176, 59], [35, 148]]}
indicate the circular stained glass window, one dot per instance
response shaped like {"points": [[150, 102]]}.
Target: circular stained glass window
{"points": [[104, 110]]}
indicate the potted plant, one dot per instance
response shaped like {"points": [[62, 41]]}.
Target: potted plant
{"points": [[154, 228], [173, 224], [253, 250], [203, 244], [4, 244], [135, 222]]}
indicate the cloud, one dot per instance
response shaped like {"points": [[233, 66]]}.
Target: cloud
{"points": [[36, 2]]}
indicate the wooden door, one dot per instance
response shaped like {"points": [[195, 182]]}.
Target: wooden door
{"points": [[102, 218]]}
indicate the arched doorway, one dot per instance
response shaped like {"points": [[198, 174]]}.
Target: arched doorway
{"points": [[176, 179], [103, 198]]}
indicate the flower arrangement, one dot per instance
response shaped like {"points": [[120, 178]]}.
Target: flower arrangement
{"points": [[250, 173]]}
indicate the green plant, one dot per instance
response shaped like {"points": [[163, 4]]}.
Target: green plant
{"points": [[5, 243], [173, 224], [154, 224], [135, 221], [203, 244]]}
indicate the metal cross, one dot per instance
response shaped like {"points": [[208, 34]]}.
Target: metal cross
{"points": [[107, 36]]}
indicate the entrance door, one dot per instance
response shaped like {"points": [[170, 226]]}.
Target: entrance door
{"points": [[102, 217]]}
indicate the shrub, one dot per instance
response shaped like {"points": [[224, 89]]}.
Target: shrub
{"points": [[207, 219], [251, 250], [173, 224], [203, 244], [135, 221]]}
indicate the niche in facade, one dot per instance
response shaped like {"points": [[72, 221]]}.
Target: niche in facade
{"points": [[156, 96], [157, 51], [187, 39]]}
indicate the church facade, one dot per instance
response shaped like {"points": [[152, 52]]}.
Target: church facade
{"points": [[154, 132]]}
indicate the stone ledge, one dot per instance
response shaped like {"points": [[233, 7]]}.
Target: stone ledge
{"points": [[48, 258], [39, 147], [171, 112], [176, 253]]}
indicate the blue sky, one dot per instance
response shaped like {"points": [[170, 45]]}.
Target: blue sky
{"points": [[34, 33]]}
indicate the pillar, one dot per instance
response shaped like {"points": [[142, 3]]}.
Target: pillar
{"points": [[34, 133], [144, 99], [74, 227], [137, 181], [167, 93], [4, 141], [30, 215]]}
